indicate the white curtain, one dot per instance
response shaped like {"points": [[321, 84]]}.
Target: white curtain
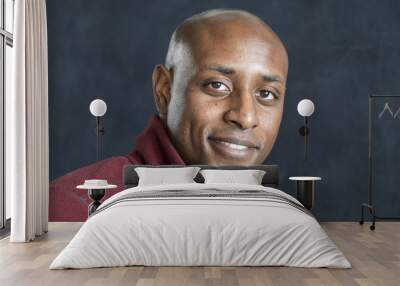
{"points": [[27, 124]]}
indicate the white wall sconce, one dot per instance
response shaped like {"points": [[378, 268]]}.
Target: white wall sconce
{"points": [[305, 108], [98, 108]]}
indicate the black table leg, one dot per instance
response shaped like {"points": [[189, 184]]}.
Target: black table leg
{"points": [[96, 195], [305, 193]]}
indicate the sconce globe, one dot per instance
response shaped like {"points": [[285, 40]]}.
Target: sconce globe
{"points": [[98, 108], [305, 107]]}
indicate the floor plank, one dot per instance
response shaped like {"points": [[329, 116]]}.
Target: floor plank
{"points": [[375, 257]]}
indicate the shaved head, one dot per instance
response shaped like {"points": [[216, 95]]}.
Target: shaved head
{"points": [[187, 34], [220, 92]]}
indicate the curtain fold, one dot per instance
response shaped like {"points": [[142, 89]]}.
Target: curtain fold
{"points": [[27, 143]]}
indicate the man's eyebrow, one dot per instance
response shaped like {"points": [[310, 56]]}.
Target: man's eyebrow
{"points": [[228, 71], [272, 78], [222, 69]]}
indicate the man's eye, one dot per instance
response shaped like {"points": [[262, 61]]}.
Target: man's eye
{"points": [[219, 86], [266, 94]]}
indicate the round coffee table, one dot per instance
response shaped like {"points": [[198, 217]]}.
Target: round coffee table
{"points": [[305, 190]]}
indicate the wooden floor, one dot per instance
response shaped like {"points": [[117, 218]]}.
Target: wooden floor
{"points": [[375, 256]]}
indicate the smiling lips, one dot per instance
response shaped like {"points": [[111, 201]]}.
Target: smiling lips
{"points": [[233, 147]]}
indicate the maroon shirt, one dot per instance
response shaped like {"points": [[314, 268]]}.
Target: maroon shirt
{"points": [[153, 147]]}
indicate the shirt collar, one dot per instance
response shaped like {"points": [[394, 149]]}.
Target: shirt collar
{"points": [[154, 147]]}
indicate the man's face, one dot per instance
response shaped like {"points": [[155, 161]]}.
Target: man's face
{"points": [[226, 101]]}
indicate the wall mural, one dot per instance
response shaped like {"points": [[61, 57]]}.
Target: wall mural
{"points": [[219, 97], [225, 94]]}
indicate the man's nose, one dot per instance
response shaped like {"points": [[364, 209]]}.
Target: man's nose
{"points": [[242, 111]]}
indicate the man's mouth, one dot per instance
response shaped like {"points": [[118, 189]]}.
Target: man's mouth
{"points": [[233, 147]]}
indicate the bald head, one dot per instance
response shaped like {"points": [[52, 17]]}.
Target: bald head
{"points": [[213, 24]]}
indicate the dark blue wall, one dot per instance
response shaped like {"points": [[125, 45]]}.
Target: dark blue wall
{"points": [[340, 52]]}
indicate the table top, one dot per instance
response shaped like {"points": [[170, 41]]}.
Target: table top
{"points": [[305, 178], [85, 187]]}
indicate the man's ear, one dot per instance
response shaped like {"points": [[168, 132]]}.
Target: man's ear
{"points": [[162, 82]]}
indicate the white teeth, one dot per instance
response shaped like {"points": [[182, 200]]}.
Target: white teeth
{"points": [[234, 146]]}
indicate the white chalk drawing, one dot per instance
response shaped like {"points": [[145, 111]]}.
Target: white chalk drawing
{"points": [[386, 109]]}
